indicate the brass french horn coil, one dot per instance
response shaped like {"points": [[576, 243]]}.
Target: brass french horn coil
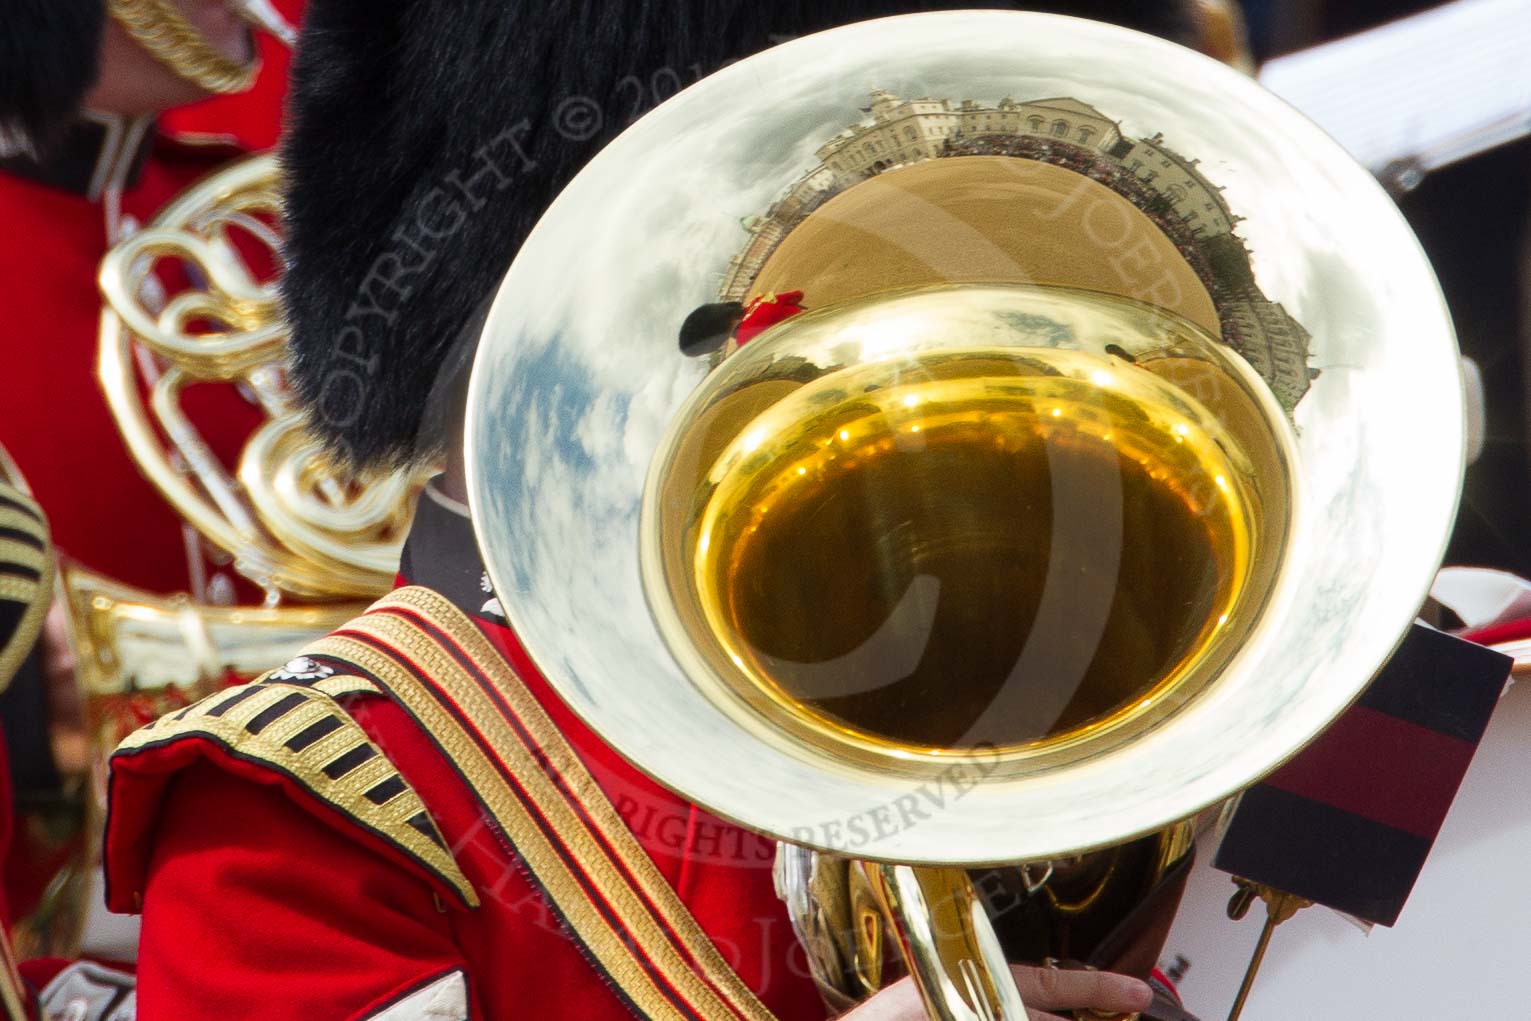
{"points": [[291, 518]]}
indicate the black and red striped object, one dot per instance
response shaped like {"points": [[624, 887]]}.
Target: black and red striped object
{"points": [[1349, 821]]}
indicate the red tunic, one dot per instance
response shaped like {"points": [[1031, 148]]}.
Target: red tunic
{"points": [[259, 902], [765, 312]]}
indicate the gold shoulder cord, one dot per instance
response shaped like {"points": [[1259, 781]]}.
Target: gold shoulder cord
{"points": [[300, 731], [167, 36], [436, 663]]}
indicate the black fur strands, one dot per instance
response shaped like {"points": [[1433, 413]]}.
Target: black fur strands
{"points": [[50, 52], [426, 140]]}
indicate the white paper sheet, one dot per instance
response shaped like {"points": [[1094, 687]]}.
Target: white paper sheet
{"points": [[1429, 90]]}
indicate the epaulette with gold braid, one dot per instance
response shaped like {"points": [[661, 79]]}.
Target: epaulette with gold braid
{"points": [[292, 723], [26, 577]]}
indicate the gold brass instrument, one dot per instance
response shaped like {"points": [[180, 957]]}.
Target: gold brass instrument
{"points": [[286, 516], [763, 566], [1114, 447], [292, 521], [140, 655], [191, 304]]}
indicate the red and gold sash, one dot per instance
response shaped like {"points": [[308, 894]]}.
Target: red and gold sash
{"points": [[435, 662]]}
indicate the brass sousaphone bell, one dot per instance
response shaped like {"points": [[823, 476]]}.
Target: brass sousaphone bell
{"points": [[1113, 449]]}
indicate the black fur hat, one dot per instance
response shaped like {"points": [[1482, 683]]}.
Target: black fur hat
{"points": [[425, 143], [708, 328], [50, 52]]}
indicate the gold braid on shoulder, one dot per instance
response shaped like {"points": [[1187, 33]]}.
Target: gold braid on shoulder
{"points": [[166, 35]]}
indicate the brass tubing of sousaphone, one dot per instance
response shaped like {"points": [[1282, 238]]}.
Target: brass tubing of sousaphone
{"points": [[947, 942]]}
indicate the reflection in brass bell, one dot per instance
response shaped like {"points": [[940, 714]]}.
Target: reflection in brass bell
{"points": [[981, 538], [1108, 443]]}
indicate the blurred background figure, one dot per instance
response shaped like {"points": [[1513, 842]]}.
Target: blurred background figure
{"points": [[108, 109]]}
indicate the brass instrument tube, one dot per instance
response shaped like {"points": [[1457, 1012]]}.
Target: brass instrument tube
{"points": [[947, 942]]}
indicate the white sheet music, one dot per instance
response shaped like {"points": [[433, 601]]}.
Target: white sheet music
{"points": [[1434, 88]]}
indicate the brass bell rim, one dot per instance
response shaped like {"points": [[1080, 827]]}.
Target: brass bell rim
{"points": [[1380, 434]]}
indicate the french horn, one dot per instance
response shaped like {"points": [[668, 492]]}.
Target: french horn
{"points": [[1107, 451], [315, 540], [292, 520]]}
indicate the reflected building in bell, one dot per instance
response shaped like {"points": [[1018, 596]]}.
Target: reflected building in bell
{"points": [[1166, 186], [1196, 201], [1273, 343], [904, 131]]}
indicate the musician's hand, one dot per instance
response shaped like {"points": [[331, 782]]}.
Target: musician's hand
{"points": [[1042, 990]]}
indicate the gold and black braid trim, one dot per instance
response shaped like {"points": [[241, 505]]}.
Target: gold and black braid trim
{"points": [[26, 578], [299, 729]]}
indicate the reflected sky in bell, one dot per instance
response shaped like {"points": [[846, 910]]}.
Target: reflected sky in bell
{"points": [[579, 374]]}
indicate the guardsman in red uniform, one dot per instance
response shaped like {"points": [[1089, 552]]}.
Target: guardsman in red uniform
{"points": [[404, 822], [765, 312], [95, 136]]}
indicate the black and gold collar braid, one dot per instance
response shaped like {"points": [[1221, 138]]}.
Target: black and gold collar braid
{"points": [[298, 729]]}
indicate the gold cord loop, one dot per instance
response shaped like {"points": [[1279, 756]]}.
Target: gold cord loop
{"points": [[175, 42]]}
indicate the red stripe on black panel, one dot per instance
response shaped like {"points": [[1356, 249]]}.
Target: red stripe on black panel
{"points": [[1381, 768]]}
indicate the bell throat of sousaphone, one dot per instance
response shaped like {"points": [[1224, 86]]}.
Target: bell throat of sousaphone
{"points": [[1017, 522]]}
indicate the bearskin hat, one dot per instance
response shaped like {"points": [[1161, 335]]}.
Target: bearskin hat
{"points": [[397, 108], [49, 55]]}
